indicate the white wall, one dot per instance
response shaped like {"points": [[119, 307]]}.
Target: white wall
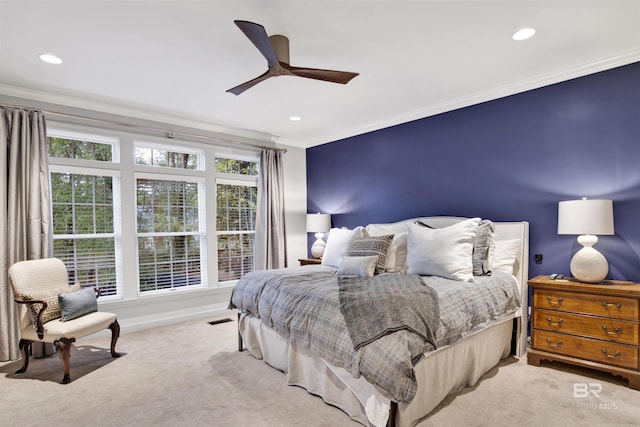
{"points": [[295, 177]]}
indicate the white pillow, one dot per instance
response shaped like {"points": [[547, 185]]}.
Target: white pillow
{"points": [[361, 266], [504, 255], [338, 244], [397, 253], [444, 252]]}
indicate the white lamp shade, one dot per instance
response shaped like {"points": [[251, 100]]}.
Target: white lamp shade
{"points": [[318, 223], [585, 216]]}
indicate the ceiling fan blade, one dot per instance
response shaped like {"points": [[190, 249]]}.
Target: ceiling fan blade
{"points": [[258, 36], [334, 76], [246, 85]]}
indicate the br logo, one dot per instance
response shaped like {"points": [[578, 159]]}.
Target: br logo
{"points": [[583, 390]]}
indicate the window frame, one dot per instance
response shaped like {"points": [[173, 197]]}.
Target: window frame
{"points": [[233, 179], [124, 167], [87, 136], [201, 233], [61, 165], [146, 143]]}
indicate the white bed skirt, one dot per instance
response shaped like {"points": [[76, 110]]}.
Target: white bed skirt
{"points": [[440, 373]]}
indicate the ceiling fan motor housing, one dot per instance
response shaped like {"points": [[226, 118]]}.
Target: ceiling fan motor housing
{"points": [[280, 45]]}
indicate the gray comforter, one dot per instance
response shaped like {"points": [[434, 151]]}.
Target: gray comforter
{"points": [[302, 305]]}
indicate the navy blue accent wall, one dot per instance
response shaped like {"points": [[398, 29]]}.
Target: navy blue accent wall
{"points": [[509, 159]]}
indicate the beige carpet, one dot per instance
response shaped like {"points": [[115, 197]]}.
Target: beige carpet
{"points": [[191, 374]]}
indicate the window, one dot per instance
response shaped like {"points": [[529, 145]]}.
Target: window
{"points": [[71, 148], [234, 166], [86, 233], [169, 234], [235, 217], [159, 157], [140, 217]]}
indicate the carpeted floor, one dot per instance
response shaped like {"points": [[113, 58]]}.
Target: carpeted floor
{"points": [[191, 374]]}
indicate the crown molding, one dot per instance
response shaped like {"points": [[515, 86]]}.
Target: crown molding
{"points": [[130, 112], [479, 97], [473, 99]]}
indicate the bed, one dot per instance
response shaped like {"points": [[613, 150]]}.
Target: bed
{"points": [[434, 364]]}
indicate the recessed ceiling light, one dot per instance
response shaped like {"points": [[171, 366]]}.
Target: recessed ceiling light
{"points": [[295, 118], [50, 58], [523, 34]]}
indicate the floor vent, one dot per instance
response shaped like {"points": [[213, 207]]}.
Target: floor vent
{"points": [[216, 322]]}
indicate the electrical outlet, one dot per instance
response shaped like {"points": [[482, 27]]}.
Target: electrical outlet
{"points": [[538, 258]]}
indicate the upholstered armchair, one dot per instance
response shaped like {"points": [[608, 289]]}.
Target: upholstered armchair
{"points": [[51, 311]]}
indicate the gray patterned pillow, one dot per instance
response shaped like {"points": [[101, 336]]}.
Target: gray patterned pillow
{"points": [[372, 245], [51, 297], [483, 248]]}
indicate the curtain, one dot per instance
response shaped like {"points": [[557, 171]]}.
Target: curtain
{"points": [[270, 249], [25, 226]]}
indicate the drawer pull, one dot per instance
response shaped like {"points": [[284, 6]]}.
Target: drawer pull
{"points": [[559, 343], [606, 304], [616, 331], [554, 302], [611, 356], [552, 323]]}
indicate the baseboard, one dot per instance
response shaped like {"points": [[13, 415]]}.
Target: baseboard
{"points": [[134, 324]]}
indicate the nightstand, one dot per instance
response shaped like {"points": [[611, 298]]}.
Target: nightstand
{"points": [[589, 325], [310, 261]]}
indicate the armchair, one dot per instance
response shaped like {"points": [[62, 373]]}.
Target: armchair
{"points": [[36, 286]]}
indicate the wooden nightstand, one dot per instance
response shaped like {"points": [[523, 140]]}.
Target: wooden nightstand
{"points": [[589, 325], [310, 261]]}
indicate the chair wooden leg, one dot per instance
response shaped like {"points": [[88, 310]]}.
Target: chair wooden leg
{"points": [[25, 349], [63, 345], [240, 343], [115, 334], [393, 410]]}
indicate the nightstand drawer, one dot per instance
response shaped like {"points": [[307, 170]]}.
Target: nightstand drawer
{"points": [[594, 327], [586, 348], [600, 305], [310, 261]]}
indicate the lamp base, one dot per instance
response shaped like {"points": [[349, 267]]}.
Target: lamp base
{"points": [[317, 249], [588, 265]]}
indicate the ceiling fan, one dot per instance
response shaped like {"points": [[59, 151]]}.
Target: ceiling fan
{"points": [[276, 51]]}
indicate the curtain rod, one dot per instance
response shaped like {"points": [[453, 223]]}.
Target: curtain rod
{"points": [[19, 107], [169, 134]]}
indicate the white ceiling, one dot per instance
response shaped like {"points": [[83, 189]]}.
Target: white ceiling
{"points": [[172, 61]]}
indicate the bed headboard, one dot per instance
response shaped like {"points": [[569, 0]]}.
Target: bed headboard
{"points": [[504, 231]]}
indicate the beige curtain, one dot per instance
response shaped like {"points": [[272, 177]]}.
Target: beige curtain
{"points": [[270, 249], [25, 226]]}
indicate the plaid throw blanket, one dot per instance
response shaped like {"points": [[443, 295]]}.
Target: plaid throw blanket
{"points": [[376, 306]]}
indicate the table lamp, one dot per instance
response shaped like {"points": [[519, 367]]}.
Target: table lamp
{"points": [[319, 224], [587, 218]]}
